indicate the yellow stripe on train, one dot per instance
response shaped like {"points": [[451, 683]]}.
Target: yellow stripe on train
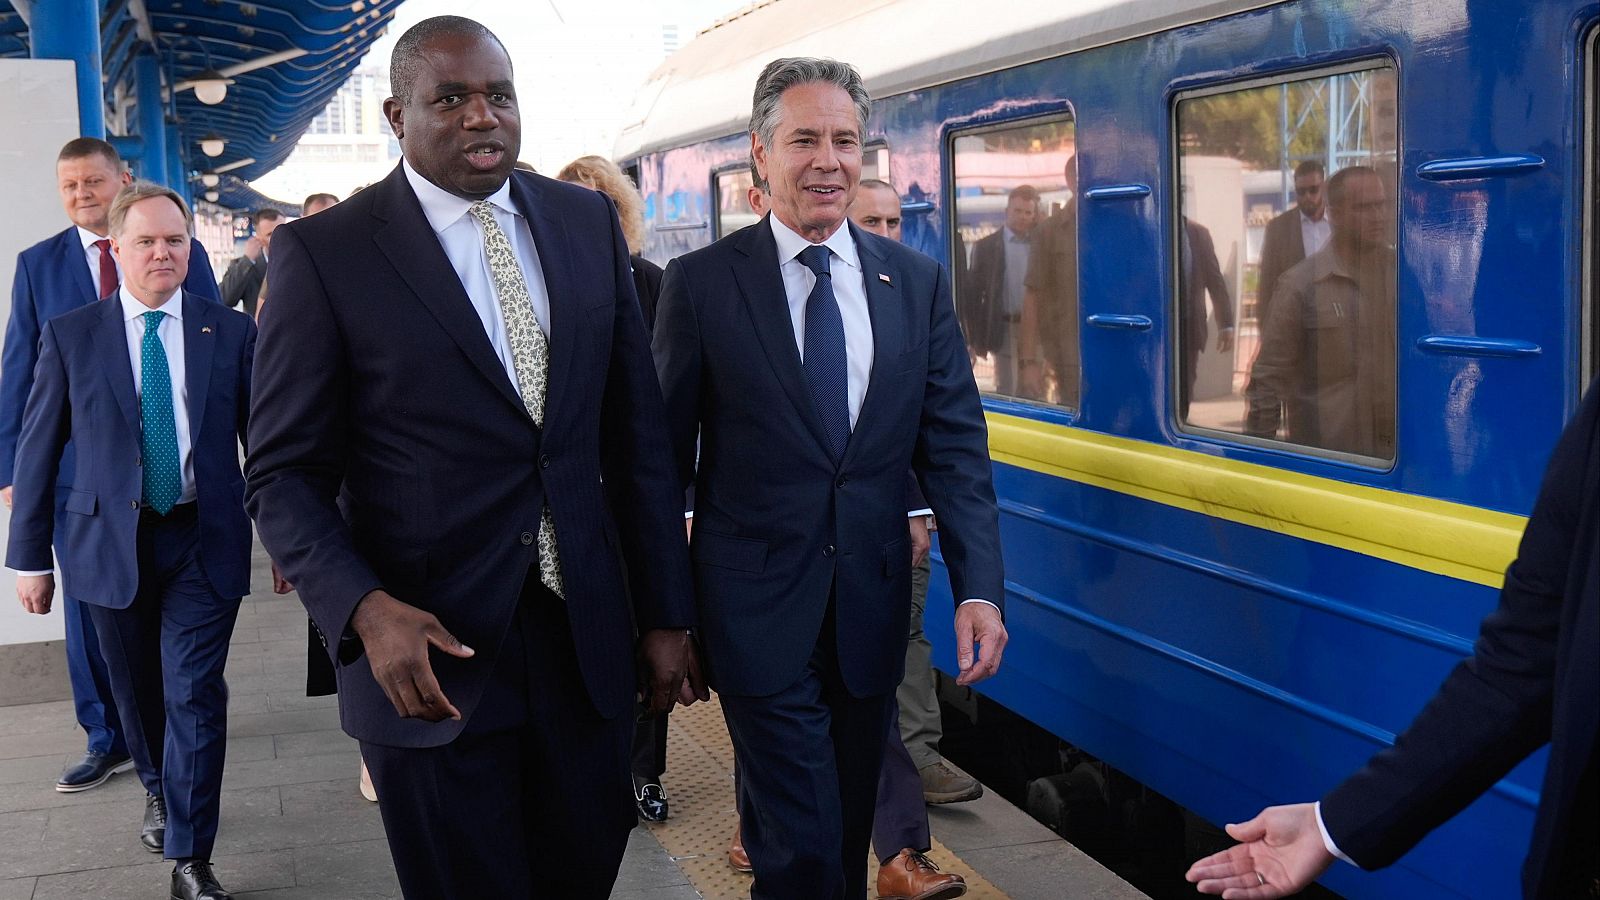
{"points": [[1451, 539]]}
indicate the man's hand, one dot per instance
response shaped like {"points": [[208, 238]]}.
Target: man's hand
{"points": [[980, 641], [920, 542], [1281, 852], [663, 663], [36, 591], [5, 494], [253, 247], [1225, 340], [396, 636], [280, 584]]}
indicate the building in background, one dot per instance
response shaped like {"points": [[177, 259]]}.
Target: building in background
{"points": [[348, 145]]}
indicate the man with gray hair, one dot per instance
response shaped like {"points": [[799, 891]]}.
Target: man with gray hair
{"points": [[837, 353], [152, 386]]}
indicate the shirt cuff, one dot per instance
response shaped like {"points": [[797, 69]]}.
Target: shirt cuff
{"points": [[35, 572], [925, 511], [978, 600], [1327, 839]]}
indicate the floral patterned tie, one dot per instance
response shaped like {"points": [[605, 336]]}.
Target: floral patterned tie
{"points": [[530, 357]]}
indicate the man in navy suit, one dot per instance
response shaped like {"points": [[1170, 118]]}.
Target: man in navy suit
{"points": [[152, 386], [57, 275], [1533, 679], [817, 364], [457, 440]]}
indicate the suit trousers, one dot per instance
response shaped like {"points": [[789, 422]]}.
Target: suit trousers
{"points": [[649, 744], [900, 819], [93, 702], [533, 798], [808, 759], [166, 653], [921, 727]]}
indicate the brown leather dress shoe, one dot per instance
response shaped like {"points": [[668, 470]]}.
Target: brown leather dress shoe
{"points": [[912, 876], [737, 858]]}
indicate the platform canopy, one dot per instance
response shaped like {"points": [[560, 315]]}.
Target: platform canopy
{"points": [[284, 58]]}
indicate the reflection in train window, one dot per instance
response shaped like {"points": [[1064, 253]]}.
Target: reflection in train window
{"points": [[733, 200], [875, 163], [1284, 258], [1016, 258]]}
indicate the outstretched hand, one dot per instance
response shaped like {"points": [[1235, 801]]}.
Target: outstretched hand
{"points": [[980, 641], [1280, 852], [396, 637]]}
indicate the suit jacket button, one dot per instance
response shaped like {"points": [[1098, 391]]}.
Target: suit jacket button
{"points": [[527, 538], [843, 480], [544, 460], [828, 550], [133, 504]]}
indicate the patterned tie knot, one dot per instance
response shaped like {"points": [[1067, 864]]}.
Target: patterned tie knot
{"points": [[152, 320], [482, 210], [815, 258]]}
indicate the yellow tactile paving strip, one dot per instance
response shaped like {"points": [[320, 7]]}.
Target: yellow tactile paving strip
{"points": [[699, 783]]}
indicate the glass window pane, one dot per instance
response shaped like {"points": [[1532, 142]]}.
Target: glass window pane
{"points": [[875, 163], [733, 201], [1285, 253], [1016, 258]]}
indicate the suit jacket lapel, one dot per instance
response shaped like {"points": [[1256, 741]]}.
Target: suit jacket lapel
{"points": [[111, 345], [886, 306], [69, 252], [199, 343], [761, 282], [560, 283], [413, 249]]}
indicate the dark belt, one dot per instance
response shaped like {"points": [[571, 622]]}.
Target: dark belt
{"points": [[183, 512]]}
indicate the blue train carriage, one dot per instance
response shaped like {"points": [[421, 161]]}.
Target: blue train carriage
{"points": [[1233, 595]]}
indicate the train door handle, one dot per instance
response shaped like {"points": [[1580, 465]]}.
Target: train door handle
{"points": [[1124, 323]]}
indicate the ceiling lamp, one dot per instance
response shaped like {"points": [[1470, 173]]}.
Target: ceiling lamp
{"points": [[212, 144], [210, 87], [210, 179], [211, 196]]}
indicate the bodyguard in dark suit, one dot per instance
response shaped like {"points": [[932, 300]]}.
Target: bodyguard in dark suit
{"points": [[152, 386], [1201, 275], [241, 284], [72, 269], [817, 364], [999, 268], [1533, 679], [1294, 234], [457, 439]]}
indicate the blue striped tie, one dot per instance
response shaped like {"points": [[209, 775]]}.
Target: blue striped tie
{"points": [[163, 482], [826, 365]]}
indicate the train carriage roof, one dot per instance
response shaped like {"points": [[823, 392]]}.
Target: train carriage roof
{"points": [[703, 90]]}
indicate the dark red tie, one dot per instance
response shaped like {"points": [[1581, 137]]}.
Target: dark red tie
{"points": [[108, 269]]}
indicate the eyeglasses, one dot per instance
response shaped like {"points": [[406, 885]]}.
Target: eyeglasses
{"points": [[1313, 190]]}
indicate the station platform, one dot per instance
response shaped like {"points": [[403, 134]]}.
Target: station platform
{"points": [[295, 827]]}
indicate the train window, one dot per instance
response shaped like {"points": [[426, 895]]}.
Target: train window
{"points": [[875, 162], [1284, 262], [733, 200], [1016, 257]]}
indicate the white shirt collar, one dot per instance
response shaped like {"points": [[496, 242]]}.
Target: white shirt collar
{"points": [[1306, 217], [87, 237], [444, 209], [790, 243], [132, 308]]}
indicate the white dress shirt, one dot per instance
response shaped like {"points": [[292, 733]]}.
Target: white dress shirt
{"points": [[91, 256], [1314, 233], [849, 289], [171, 334], [461, 235]]}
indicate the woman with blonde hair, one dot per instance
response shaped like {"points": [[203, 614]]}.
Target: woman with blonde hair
{"points": [[600, 174]]}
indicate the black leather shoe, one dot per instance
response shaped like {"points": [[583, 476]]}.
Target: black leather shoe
{"points": [[92, 771], [154, 833], [192, 879], [650, 799]]}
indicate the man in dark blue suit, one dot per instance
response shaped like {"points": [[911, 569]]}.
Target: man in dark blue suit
{"points": [[152, 386], [816, 364], [1533, 679], [457, 440], [72, 269]]}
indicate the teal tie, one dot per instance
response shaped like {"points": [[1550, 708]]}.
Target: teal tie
{"points": [[163, 482]]}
